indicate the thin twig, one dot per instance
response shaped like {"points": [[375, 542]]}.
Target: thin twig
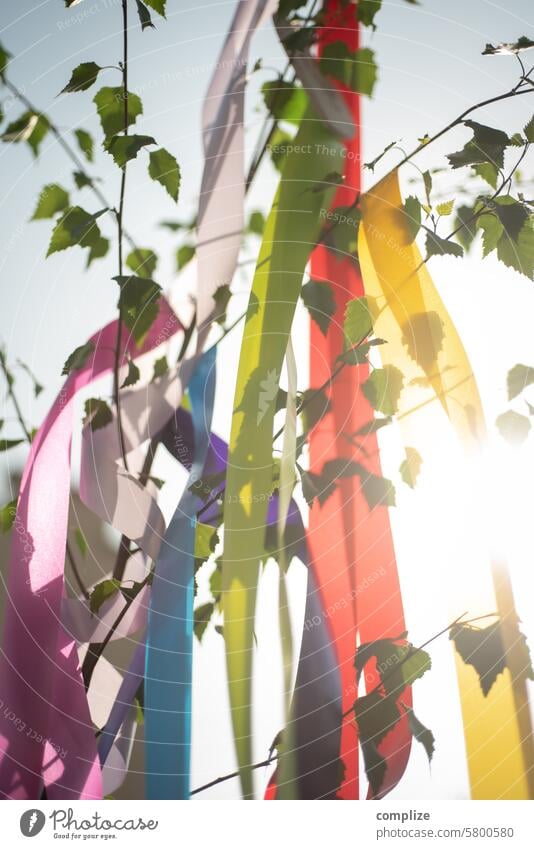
{"points": [[96, 650], [11, 393], [120, 216], [230, 775], [75, 571]]}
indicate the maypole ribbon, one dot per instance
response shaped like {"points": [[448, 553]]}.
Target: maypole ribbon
{"points": [[351, 545], [169, 651], [423, 343], [45, 730], [222, 192], [292, 228]]}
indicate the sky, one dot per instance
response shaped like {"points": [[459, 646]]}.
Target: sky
{"points": [[430, 70]]}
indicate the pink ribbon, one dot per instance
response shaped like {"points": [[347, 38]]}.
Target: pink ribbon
{"points": [[46, 731]]}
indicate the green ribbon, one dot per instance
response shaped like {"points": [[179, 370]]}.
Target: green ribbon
{"points": [[294, 225]]}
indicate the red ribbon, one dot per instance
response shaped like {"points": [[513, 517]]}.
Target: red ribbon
{"points": [[351, 546]]}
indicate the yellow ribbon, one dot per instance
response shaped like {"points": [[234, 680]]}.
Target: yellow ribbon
{"points": [[424, 344]]}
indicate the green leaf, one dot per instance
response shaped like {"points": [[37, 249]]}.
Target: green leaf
{"points": [[383, 388], [464, 217], [158, 482], [421, 733], [203, 616], [372, 426], [133, 375], [342, 236], [142, 261], [427, 180], [519, 254], [158, 6], [184, 255], [445, 208], [51, 200], [97, 413], [206, 540], [75, 227], [109, 103], [522, 43], [488, 171], [98, 250], [278, 146], [7, 444], [164, 168], [81, 542], [78, 358], [377, 491], [256, 223], [144, 16], [423, 337], [513, 427], [5, 56], [376, 716], [487, 145], [367, 10], [222, 299], [398, 662], [104, 590], [321, 486], [284, 100], [30, 127], [138, 304], [517, 140], [509, 228], [483, 648], [7, 516], [436, 246], [318, 299], [287, 7], [82, 77], [356, 69], [315, 405], [161, 368], [125, 148], [358, 322], [375, 765], [519, 377], [529, 130], [412, 212], [85, 143], [411, 466], [81, 179]]}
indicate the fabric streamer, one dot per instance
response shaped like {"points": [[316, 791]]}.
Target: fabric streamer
{"points": [[293, 226], [351, 545], [222, 192], [169, 652], [46, 731], [423, 343], [317, 694]]}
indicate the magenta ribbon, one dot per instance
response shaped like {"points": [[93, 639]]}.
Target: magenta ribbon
{"points": [[46, 733]]}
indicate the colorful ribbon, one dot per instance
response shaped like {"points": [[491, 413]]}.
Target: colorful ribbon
{"points": [[45, 731], [222, 192], [169, 652], [351, 546], [423, 343], [292, 228]]}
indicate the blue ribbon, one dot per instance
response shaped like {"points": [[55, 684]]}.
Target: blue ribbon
{"points": [[169, 649]]}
